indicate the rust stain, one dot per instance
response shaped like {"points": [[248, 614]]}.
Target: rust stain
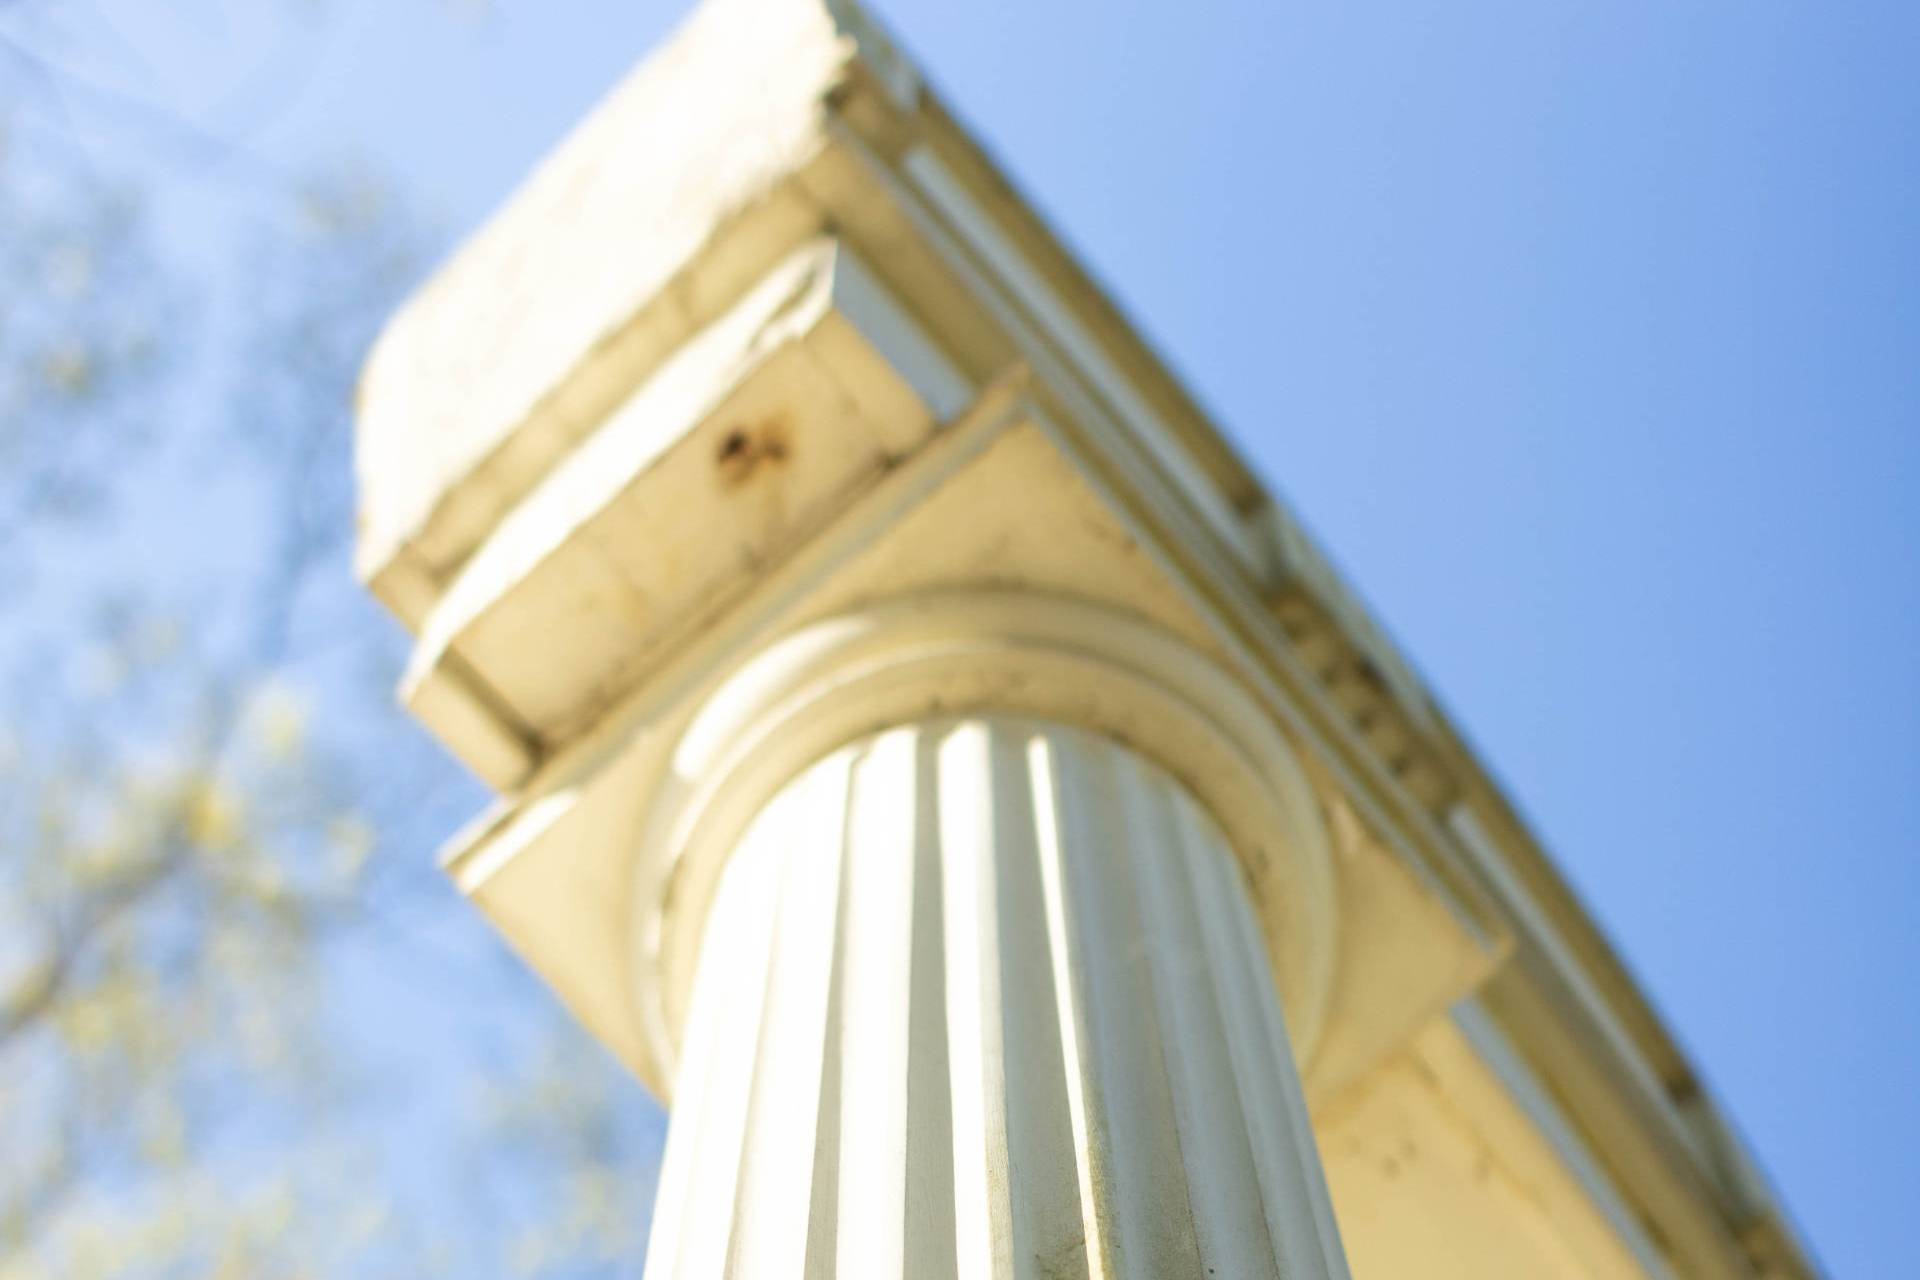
{"points": [[745, 450]]}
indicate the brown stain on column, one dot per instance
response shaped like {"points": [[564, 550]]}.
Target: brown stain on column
{"points": [[745, 450]]}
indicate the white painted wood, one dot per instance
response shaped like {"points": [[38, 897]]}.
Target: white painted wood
{"points": [[768, 416], [987, 997], [948, 655]]}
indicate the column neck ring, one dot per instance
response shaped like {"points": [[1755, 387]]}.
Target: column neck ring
{"points": [[973, 653]]}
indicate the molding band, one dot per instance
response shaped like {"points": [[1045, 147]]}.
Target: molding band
{"points": [[952, 654]]}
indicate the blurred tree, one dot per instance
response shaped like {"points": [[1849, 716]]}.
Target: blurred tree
{"points": [[198, 762]]}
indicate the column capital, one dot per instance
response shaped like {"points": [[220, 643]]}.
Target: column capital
{"points": [[963, 652], [871, 379]]}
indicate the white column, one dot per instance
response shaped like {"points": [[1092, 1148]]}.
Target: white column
{"points": [[987, 998]]}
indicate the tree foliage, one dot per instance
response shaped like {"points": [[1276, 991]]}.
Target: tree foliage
{"points": [[212, 818]]}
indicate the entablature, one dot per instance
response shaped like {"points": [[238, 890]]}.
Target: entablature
{"points": [[770, 341]]}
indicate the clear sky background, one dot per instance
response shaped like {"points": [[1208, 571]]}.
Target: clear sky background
{"points": [[1586, 336]]}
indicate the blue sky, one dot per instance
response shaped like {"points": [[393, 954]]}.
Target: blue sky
{"points": [[1586, 336]]}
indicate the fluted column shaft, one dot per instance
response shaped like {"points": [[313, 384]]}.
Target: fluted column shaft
{"points": [[986, 998]]}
